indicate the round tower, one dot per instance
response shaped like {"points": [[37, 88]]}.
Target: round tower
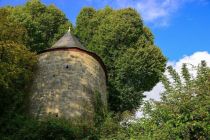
{"points": [[67, 81]]}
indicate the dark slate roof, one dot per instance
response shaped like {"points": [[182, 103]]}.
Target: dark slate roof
{"points": [[69, 41]]}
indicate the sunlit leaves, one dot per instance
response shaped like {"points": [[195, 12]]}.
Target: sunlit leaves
{"points": [[183, 112], [127, 48]]}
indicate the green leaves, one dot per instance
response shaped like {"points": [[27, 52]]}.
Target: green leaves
{"points": [[16, 65], [183, 112], [84, 29], [137, 70], [10, 29], [38, 25], [126, 46]]}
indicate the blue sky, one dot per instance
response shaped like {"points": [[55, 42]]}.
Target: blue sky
{"points": [[181, 27]]}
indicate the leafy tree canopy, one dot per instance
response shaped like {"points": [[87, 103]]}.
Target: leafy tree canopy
{"points": [[10, 29], [126, 46], [16, 65], [42, 24]]}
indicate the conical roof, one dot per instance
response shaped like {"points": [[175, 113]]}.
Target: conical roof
{"points": [[68, 41]]}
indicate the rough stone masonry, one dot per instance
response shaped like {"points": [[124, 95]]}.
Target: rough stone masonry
{"points": [[66, 81]]}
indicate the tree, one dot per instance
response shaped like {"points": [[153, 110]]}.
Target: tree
{"points": [[16, 64], [137, 70], [86, 14], [43, 24], [183, 112], [11, 30], [127, 48]]}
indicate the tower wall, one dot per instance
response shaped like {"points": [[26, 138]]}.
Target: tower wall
{"points": [[66, 83]]}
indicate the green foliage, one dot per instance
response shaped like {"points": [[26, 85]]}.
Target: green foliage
{"points": [[11, 30], [111, 129], [16, 68], [16, 65], [127, 48], [43, 24], [183, 112], [135, 74], [23, 128], [83, 20], [100, 108]]}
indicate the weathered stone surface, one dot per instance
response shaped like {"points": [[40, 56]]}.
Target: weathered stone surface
{"points": [[65, 84]]}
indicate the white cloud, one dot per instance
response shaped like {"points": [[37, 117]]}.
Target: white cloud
{"points": [[155, 92], [191, 61], [157, 12]]}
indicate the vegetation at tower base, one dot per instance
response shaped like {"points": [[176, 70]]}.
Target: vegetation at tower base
{"points": [[133, 62]]}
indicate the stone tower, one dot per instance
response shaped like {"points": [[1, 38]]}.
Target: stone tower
{"points": [[66, 81]]}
